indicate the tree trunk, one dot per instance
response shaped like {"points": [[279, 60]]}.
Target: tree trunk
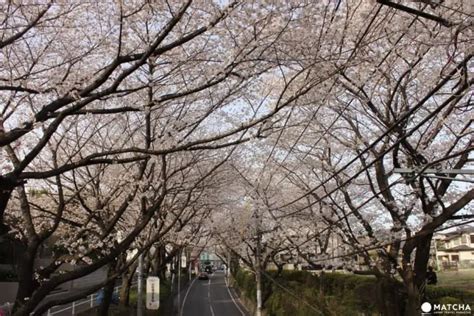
{"points": [[126, 285], [422, 256], [413, 305], [107, 294], [26, 282], [389, 299], [415, 283], [7, 185]]}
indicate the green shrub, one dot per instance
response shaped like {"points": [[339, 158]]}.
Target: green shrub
{"points": [[449, 300], [436, 293], [246, 282], [335, 293]]}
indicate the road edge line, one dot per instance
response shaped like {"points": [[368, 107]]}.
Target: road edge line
{"points": [[185, 297], [233, 299]]}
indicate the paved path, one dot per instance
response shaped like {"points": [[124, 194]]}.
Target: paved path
{"points": [[211, 298]]}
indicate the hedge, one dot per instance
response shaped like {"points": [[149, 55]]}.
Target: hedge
{"points": [[435, 294], [330, 293]]}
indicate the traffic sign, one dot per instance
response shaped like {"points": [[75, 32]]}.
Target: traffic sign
{"points": [[153, 293]]}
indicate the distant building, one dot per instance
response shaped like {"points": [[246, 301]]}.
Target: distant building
{"points": [[208, 258], [330, 256], [454, 249]]}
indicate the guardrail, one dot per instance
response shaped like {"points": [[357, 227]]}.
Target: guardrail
{"points": [[90, 301]]}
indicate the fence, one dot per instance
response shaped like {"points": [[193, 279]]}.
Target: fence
{"points": [[75, 307], [80, 305]]}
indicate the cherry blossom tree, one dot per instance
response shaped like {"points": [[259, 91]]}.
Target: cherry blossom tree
{"points": [[103, 124], [121, 121], [403, 105]]}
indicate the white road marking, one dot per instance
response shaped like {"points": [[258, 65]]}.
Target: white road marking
{"points": [[232, 297], [209, 295], [186, 296], [209, 290]]}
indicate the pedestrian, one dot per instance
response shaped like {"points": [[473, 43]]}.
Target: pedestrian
{"points": [[431, 277]]}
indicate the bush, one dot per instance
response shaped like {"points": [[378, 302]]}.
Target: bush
{"points": [[246, 282], [331, 293], [449, 300], [334, 293], [434, 294]]}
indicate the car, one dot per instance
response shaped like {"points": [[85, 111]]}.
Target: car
{"points": [[208, 269], [203, 276]]}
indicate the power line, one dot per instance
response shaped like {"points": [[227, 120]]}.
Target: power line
{"points": [[340, 113], [455, 10], [404, 117], [390, 243], [298, 296], [353, 51]]}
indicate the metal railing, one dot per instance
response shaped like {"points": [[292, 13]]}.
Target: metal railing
{"points": [[77, 306], [90, 300]]}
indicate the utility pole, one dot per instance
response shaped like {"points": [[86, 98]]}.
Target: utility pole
{"points": [[140, 286], [190, 270], [179, 282], [228, 265], [258, 272]]}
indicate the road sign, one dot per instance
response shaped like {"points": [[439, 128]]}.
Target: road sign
{"points": [[183, 261], [153, 293]]}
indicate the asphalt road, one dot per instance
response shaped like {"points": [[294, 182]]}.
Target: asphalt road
{"points": [[211, 298]]}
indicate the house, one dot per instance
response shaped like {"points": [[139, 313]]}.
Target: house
{"points": [[329, 253], [454, 249]]}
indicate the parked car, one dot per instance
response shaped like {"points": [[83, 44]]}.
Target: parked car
{"points": [[203, 276]]}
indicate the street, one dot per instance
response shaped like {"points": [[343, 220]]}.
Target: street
{"points": [[211, 298]]}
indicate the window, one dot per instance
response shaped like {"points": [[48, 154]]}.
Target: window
{"points": [[472, 239], [454, 258]]}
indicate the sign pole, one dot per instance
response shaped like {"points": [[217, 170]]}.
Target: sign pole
{"points": [[140, 286], [179, 283]]}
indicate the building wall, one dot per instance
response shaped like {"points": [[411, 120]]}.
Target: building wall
{"points": [[466, 255], [8, 292], [464, 239]]}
